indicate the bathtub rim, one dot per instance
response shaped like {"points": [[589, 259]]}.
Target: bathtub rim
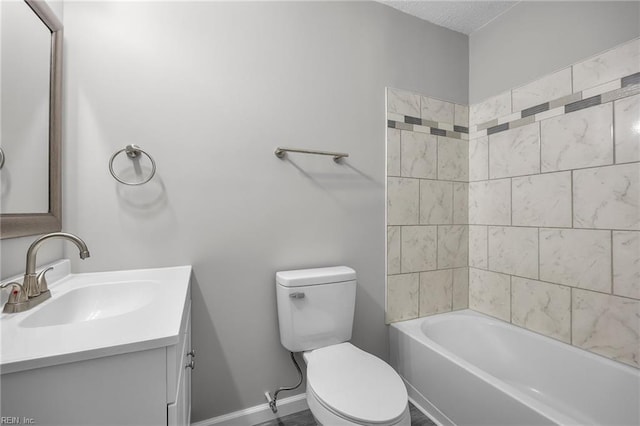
{"points": [[413, 329]]}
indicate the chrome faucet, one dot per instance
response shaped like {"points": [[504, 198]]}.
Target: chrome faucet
{"points": [[34, 289]]}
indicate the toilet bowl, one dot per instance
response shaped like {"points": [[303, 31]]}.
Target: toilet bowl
{"points": [[348, 386]]}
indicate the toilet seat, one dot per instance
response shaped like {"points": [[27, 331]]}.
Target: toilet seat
{"points": [[355, 385]]}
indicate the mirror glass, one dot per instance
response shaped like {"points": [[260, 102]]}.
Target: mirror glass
{"points": [[25, 55]]}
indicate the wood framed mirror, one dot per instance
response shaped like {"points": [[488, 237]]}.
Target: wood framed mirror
{"points": [[49, 218]]}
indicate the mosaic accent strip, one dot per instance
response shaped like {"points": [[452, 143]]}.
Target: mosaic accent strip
{"points": [[535, 109], [630, 79], [499, 128], [623, 92], [585, 103], [412, 120], [415, 124], [629, 86]]}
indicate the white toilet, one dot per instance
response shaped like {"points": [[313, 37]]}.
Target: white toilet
{"points": [[345, 385]]}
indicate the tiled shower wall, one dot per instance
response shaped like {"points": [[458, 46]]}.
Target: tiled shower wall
{"points": [[553, 206], [427, 212]]}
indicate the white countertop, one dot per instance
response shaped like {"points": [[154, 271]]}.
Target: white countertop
{"points": [[150, 319]]}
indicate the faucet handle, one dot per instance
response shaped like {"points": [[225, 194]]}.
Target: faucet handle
{"points": [[42, 280], [17, 295]]}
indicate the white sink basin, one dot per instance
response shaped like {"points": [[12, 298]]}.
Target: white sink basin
{"points": [[92, 303], [94, 315]]}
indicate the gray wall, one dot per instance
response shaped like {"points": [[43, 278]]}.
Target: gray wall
{"points": [[533, 39], [210, 89]]}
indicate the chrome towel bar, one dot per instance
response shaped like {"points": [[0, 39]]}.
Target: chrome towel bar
{"points": [[281, 152]]}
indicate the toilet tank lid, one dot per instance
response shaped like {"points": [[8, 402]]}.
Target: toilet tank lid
{"points": [[305, 277]]}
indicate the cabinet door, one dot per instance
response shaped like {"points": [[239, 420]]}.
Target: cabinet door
{"points": [[187, 380], [179, 413]]}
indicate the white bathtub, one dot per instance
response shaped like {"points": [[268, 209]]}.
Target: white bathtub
{"points": [[465, 368]]}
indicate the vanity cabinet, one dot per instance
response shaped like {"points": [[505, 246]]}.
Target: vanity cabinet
{"points": [[139, 386]]}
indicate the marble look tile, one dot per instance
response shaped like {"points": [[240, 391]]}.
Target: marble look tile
{"points": [[565, 100], [393, 152], [515, 152], [461, 115], [509, 118], [460, 203], [402, 201], [460, 288], [607, 325], [487, 124], [576, 257], [612, 64], [550, 87], [453, 246], [395, 117], [603, 88], [490, 202], [478, 246], [626, 263], [550, 113], [403, 102], [541, 307], [607, 197], [490, 293], [514, 251], [437, 110], [422, 129], [478, 134], [578, 139], [436, 202], [627, 131], [453, 159], [479, 159], [418, 155], [490, 109], [435, 292], [542, 200], [402, 297], [418, 248], [393, 250]]}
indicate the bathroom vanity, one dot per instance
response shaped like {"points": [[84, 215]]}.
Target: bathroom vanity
{"points": [[110, 348]]}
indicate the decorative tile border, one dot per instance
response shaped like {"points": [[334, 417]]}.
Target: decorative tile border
{"points": [[415, 124], [626, 86]]}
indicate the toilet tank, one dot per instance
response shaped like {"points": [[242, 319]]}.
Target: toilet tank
{"points": [[315, 307]]}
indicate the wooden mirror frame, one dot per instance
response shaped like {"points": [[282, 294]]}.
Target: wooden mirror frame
{"points": [[22, 224]]}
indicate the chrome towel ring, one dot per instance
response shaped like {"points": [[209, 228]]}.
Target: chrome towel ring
{"points": [[1, 158], [133, 152]]}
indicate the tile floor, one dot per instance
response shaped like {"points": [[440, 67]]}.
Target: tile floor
{"points": [[304, 418]]}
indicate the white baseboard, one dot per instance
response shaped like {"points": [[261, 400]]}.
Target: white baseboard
{"points": [[259, 413]]}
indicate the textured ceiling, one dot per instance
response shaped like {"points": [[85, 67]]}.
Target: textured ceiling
{"points": [[461, 16]]}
